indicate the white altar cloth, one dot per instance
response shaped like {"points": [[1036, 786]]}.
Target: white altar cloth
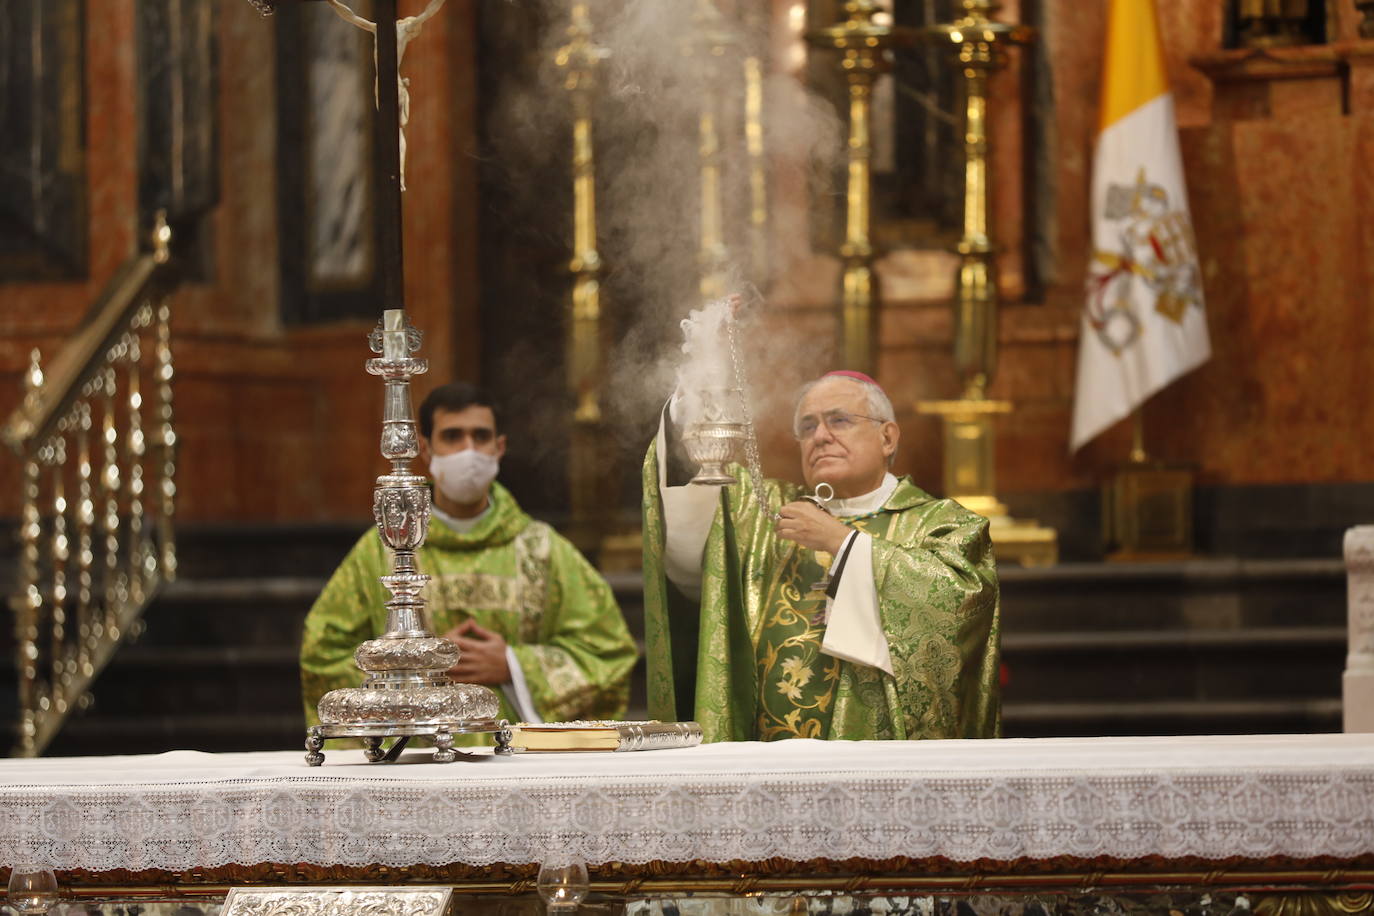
{"points": [[1212, 797]]}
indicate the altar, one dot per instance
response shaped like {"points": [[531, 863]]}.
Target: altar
{"points": [[1290, 813]]}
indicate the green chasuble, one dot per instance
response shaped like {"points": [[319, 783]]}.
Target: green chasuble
{"points": [[511, 574], [745, 661]]}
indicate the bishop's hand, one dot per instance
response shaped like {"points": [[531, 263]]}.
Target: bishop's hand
{"points": [[811, 526]]}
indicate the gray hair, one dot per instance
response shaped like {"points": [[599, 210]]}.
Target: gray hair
{"points": [[879, 406]]}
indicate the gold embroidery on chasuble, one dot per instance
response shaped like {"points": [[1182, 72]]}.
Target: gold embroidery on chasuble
{"points": [[457, 594], [532, 572], [511, 604], [921, 653], [565, 678], [796, 682]]}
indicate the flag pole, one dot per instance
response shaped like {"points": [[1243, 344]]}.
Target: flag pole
{"points": [[1138, 453], [1144, 322]]}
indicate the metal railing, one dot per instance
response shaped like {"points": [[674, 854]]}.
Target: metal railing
{"points": [[98, 451]]}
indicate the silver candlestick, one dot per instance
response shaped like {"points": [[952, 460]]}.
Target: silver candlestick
{"points": [[408, 691]]}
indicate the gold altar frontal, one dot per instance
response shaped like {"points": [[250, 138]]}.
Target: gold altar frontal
{"points": [[820, 887], [899, 887]]}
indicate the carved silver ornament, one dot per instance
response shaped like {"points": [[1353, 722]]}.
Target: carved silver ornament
{"points": [[402, 516], [432, 653], [456, 704], [710, 446], [337, 901]]}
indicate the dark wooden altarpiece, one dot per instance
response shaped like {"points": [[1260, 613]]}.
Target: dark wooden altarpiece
{"points": [[177, 141], [326, 193], [43, 199]]}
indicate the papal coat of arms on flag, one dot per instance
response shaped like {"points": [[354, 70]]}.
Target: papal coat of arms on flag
{"points": [[1155, 247], [1143, 322]]}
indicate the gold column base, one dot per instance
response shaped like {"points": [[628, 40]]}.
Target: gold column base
{"points": [[1023, 540], [622, 551], [1147, 512], [587, 475], [970, 449]]}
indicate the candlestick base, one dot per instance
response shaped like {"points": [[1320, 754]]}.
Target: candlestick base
{"points": [[970, 452], [374, 735]]}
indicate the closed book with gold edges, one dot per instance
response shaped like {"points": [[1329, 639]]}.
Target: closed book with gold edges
{"points": [[604, 736]]}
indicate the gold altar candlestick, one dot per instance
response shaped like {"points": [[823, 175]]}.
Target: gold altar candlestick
{"points": [[709, 44], [758, 169], [754, 18], [975, 327], [863, 44], [712, 254], [580, 59], [978, 45]]}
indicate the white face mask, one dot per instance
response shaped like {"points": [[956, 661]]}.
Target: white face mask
{"points": [[464, 476]]}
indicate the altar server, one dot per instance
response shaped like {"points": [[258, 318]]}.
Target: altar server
{"points": [[529, 613]]}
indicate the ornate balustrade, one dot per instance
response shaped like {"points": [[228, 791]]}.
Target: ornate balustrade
{"points": [[98, 450]]}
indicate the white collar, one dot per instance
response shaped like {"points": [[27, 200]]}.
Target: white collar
{"points": [[461, 525], [871, 501]]}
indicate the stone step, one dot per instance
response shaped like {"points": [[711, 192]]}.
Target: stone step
{"points": [[1258, 637], [250, 551], [1198, 717], [155, 732], [1192, 594], [187, 680], [261, 611], [1267, 664]]}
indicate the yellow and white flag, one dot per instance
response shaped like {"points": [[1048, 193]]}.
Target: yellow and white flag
{"points": [[1143, 323]]}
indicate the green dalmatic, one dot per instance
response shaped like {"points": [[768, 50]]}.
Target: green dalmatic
{"points": [[745, 660]]}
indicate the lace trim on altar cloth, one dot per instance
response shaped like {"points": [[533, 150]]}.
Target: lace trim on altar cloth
{"points": [[961, 800]]}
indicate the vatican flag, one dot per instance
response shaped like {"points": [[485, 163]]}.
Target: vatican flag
{"points": [[1143, 323]]}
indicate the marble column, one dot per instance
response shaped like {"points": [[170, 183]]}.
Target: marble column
{"points": [[1357, 683]]}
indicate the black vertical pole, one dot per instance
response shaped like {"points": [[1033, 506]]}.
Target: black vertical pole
{"points": [[387, 159]]}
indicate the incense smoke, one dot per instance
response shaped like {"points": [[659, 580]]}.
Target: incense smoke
{"points": [[646, 127]]}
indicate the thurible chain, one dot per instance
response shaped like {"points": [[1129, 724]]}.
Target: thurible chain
{"points": [[751, 441]]}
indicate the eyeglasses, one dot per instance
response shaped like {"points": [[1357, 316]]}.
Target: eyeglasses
{"points": [[839, 422]]}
